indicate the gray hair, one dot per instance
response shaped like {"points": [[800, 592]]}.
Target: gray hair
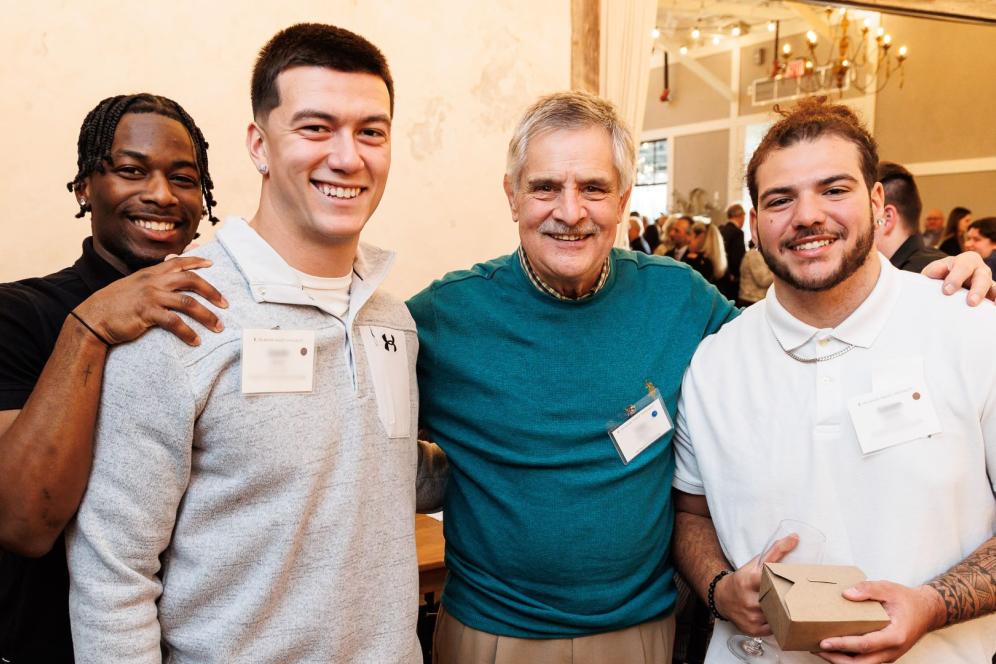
{"points": [[572, 110]]}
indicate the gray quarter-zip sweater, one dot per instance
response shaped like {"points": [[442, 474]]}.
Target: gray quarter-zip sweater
{"points": [[227, 527]]}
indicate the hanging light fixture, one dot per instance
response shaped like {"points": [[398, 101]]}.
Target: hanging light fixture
{"points": [[865, 60]]}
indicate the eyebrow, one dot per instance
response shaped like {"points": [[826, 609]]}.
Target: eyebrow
{"points": [[822, 183], [144, 158], [309, 113]]}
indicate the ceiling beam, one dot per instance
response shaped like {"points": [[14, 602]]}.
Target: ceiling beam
{"points": [[963, 11], [707, 76]]}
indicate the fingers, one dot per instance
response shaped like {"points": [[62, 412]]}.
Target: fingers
{"points": [[172, 323], [188, 281], [982, 284], [781, 548], [939, 269], [174, 263], [187, 304]]}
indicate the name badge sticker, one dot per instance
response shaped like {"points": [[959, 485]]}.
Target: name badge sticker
{"points": [[893, 416], [643, 423], [278, 361]]}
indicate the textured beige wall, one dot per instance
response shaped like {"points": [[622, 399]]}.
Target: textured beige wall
{"points": [[463, 74], [700, 161], [947, 106], [976, 191], [692, 100]]}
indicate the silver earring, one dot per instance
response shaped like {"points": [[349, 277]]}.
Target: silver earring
{"points": [[880, 222], [262, 168], [82, 202]]}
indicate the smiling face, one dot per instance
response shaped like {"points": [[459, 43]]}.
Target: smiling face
{"points": [[327, 150], [814, 219], [979, 243], [567, 204], [148, 202]]}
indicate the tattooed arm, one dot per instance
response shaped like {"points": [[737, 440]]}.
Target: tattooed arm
{"points": [[966, 591]]}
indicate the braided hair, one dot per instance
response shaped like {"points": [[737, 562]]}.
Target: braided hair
{"points": [[97, 135]]}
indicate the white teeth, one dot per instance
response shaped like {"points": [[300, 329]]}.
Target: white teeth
{"points": [[812, 245], [337, 192], [155, 225], [569, 238]]}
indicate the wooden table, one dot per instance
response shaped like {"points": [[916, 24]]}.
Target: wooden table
{"points": [[430, 545]]}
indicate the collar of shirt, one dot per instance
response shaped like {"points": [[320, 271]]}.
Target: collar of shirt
{"points": [[544, 287], [271, 279], [93, 269], [859, 329]]}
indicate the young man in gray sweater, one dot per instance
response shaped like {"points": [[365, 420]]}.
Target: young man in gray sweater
{"points": [[252, 498]]}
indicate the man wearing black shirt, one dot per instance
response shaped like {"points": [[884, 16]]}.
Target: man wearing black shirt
{"points": [[142, 174], [898, 235]]}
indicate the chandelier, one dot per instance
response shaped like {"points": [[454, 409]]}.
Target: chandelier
{"points": [[865, 61]]}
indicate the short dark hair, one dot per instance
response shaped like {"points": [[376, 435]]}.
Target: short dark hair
{"points": [[93, 148], [986, 227], [901, 191], [809, 119], [313, 45], [735, 210]]}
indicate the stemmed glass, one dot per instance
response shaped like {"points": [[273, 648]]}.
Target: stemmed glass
{"points": [[809, 551]]}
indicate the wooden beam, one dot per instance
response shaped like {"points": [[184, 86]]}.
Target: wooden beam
{"points": [[965, 11], [707, 76], [584, 45]]}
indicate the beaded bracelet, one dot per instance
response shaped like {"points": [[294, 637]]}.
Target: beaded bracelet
{"points": [[711, 599]]}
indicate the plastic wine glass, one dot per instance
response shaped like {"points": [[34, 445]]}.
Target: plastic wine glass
{"points": [[809, 551]]}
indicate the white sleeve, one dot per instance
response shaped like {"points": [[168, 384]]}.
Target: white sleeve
{"points": [[141, 467], [687, 477]]}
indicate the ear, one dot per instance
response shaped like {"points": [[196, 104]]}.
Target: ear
{"points": [[878, 201], [510, 194], [753, 227], [256, 144], [891, 217], [82, 190]]}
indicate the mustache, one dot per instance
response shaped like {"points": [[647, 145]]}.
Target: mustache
{"points": [[553, 227], [812, 231]]}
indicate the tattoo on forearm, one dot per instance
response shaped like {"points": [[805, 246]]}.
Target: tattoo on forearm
{"points": [[86, 374], [969, 588]]}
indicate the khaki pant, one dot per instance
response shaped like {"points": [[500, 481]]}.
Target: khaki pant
{"points": [[648, 643]]}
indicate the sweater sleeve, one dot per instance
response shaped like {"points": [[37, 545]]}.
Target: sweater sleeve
{"points": [[141, 467]]}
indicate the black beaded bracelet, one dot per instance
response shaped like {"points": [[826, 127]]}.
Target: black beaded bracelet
{"points": [[711, 599]]}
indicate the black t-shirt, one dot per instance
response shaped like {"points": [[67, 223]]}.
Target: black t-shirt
{"points": [[34, 592]]}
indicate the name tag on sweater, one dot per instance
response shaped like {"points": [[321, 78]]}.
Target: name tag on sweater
{"points": [[275, 361], [386, 351], [646, 421]]}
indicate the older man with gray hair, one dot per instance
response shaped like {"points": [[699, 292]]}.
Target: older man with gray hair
{"points": [[558, 515]]}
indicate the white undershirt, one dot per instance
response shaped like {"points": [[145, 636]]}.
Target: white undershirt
{"points": [[331, 292]]}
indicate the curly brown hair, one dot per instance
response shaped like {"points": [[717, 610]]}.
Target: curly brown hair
{"points": [[810, 119]]}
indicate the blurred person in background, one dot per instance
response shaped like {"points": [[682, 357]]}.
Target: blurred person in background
{"points": [[981, 238], [706, 252], [952, 241]]}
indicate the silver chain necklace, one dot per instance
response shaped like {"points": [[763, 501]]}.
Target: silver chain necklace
{"points": [[822, 358]]}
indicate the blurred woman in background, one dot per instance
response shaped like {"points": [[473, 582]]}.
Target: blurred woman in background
{"points": [[953, 238], [706, 252]]}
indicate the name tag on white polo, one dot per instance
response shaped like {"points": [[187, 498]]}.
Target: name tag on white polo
{"points": [[275, 361], [636, 434], [892, 416]]}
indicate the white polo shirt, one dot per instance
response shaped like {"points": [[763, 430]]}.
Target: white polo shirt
{"points": [[766, 437]]}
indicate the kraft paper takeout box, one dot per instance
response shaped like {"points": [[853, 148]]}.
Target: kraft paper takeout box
{"points": [[803, 604]]}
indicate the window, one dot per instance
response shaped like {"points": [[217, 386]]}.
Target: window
{"points": [[650, 195]]}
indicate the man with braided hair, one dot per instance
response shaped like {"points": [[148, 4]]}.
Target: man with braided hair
{"points": [[143, 177]]}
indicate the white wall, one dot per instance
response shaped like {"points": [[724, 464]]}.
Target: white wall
{"points": [[463, 73]]}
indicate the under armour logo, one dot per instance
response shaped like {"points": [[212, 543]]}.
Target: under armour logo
{"points": [[389, 343]]}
